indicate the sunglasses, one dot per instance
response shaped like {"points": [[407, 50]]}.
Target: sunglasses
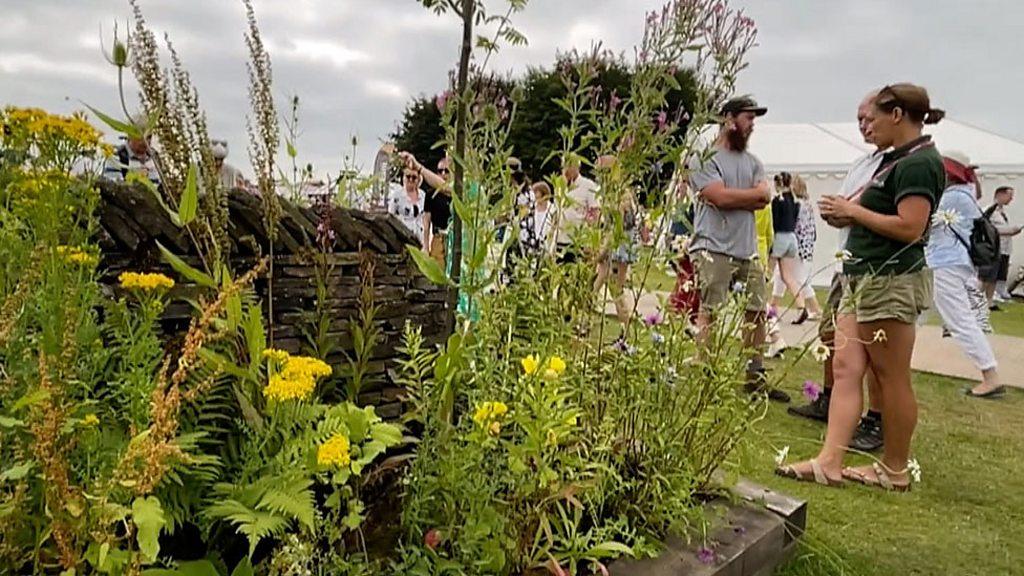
{"points": [[411, 176], [442, 170]]}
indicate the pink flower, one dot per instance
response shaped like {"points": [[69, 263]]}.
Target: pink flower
{"points": [[706, 555], [653, 319], [442, 99], [811, 390]]}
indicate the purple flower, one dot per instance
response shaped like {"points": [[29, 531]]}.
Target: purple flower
{"points": [[653, 319], [811, 390], [442, 99], [773, 313], [662, 120], [706, 555]]}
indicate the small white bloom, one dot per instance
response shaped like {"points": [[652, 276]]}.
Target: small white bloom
{"points": [[680, 243], [780, 456], [945, 218], [821, 352], [739, 287], [915, 470], [688, 286], [843, 256]]}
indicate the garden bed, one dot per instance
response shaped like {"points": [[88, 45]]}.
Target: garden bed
{"points": [[756, 533]]}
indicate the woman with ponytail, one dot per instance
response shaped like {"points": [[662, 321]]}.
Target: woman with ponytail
{"points": [[886, 288]]}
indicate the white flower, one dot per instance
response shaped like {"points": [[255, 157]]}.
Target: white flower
{"points": [[945, 218], [821, 352], [915, 470], [843, 256], [680, 243], [780, 456], [739, 287], [688, 286]]}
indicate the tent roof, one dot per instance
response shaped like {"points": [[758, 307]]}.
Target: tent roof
{"points": [[832, 147]]}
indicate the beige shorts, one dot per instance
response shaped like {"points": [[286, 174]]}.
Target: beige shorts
{"points": [[899, 297], [718, 274]]}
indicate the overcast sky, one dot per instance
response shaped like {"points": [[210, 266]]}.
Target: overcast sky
{"points": [[355, 63]]}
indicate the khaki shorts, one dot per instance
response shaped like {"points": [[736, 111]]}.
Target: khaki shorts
{"points": [[717, 274], [899, 297], [827, 326]]}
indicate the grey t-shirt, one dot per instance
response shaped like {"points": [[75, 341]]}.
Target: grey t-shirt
{"points": [[729, 232]]}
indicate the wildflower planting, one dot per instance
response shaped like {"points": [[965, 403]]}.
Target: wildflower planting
{"points": [[528, 443]]}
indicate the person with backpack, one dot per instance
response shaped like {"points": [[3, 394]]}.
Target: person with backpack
{"points": [[961, 237]]}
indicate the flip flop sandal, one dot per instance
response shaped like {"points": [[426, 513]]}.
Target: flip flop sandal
{"points": [[993, 394], [881, 480], [818, 475]]}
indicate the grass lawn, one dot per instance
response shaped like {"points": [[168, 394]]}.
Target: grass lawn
{"points": [[964, 518]]}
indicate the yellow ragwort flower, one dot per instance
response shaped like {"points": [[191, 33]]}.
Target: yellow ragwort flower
{"points": [[305, 367], [145, 281], [334, 452], [530, 364], [90, 420]]}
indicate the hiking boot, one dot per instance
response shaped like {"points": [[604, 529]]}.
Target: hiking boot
{"points": [[816, 410], [868, 436]]}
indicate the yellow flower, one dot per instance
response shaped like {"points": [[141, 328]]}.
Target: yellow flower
{"points": [[297, 378], [530, 364], [90, 420], [489, 412], [145, 281], [334, 452], [556, 364], [281, 389], [279, 356], [494, 429], [552, 438]]}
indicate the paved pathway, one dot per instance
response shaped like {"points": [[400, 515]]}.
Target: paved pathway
{"points": [[932, 353]]}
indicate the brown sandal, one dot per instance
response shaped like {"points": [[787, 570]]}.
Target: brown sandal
{"points": [[818, 475], [881, 479]]}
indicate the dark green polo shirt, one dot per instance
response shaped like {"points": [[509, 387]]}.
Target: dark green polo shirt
{"points": [[917, 173]]}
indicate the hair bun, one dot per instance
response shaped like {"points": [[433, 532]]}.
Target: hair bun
{"points": [[934, 116]]}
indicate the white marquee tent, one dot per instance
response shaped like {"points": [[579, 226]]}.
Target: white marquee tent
{"points": [[822, 152]]}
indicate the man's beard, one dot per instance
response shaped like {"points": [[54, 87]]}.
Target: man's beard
{"points": [[737, 140]]}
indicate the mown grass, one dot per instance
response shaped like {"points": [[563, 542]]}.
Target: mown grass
{"points": [[963, 519], [1007, 321]]}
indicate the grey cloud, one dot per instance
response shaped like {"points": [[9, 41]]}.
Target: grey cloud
{"points": [[355, 63]]}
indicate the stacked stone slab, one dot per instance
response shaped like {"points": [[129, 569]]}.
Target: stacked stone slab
{"points": [[132, 221]]}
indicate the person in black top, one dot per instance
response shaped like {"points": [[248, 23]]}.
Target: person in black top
{"points": [[785, 251]]}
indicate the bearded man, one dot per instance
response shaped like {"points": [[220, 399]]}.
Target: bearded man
{"points": [[731, 186]]}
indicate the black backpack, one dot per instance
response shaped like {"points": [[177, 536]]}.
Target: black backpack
{"points": [[984, 246]]}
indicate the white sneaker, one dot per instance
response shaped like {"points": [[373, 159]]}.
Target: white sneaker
{"points": [[776, 348], [999, 298]]}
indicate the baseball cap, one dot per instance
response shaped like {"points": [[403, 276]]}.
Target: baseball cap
{"points": [[742, 104]]}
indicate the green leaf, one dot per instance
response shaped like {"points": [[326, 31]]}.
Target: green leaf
{"points": [[292, 152], [428, 266], [610, 550], [16, 472], [8, 422], [30, 399], [104, 550], [358, 423], [123, 127], [190, 273], [244, 568], [387, 434], [189, 199], [149, 519]]}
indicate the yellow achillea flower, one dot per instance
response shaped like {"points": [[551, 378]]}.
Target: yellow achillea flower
{"points": [[279, 356], [90, 420], [145, 281], [530, 364], [76, 255], [334, 452], [297, 378]]}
